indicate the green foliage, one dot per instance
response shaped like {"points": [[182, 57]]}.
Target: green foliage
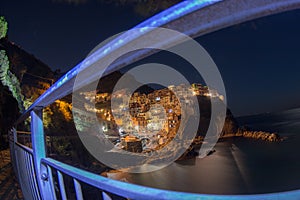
{"points": [[10, 80], [4, 64], [61, 146], [47, 113], [3, 27]]}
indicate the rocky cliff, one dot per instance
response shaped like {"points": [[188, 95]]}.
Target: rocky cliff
{"points": [[231, 127]]}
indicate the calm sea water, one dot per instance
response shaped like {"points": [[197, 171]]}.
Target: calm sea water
{"points": [[239, 165]]}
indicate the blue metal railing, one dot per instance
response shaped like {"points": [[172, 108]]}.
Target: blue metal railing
{"points": [[132, 191], [43, 178], [22, 159], [27, 175]]}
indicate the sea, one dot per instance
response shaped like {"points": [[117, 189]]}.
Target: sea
{"points": [[239, 165]]}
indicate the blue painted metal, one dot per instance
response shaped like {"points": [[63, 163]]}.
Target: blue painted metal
{"points": [[78, 190], [61, 185], [23, 160], [49, 182], [38, 147], [193, 17], [177, 11], [141, 192], [198, 17], [105, 196]]}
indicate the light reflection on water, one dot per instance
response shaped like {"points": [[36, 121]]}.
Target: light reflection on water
{"points": [[239, 166]]}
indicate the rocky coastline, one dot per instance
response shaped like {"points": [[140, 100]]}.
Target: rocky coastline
{"points": [[262, 135], [258, 135], [242, 132]]}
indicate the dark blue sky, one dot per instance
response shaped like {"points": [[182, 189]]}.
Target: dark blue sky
{"points": [[259, 60]]}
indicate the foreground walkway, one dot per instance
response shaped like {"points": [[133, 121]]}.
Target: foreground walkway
{"points": [[9, 188]]}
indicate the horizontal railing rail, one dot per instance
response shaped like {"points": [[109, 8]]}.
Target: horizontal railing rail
{"points": [[133, 191], [24, 138]]}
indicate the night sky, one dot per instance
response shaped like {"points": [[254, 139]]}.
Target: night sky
{"points": [[259, 60]]}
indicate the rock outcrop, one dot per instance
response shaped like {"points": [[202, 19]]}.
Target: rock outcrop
{"points": [[262, 135]]}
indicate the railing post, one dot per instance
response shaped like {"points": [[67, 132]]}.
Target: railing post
{"points": [[12, 140], [14, 134], [39, 152]]}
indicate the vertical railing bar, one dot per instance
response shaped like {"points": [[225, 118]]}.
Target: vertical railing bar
{"points": [[27, 171], [15, 135], [38, 147], [30, 174], [24, 171], [51, 181], [105, 196], [61, 185], [78, 190], [26, 174], [32, 177], [37, 194], [20, 170]]}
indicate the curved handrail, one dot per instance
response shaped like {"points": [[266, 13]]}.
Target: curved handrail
{"points": [[134, 191], [194, 18]]}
